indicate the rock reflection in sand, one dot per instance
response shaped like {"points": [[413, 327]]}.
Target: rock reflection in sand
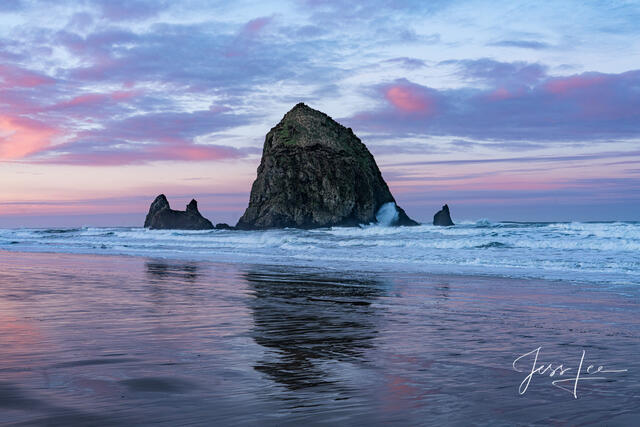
{"points": [[305, 320], [161, 270]]}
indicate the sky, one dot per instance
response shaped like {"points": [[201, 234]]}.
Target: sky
{"points": [[505, 110]]}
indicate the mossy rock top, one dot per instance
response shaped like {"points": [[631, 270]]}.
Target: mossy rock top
{"points": [[303, 126]]}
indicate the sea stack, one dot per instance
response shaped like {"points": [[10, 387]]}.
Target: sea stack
{"points": [[316, 173], [443, 217], [162, 217]]}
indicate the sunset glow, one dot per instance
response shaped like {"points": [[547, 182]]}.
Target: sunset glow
{"points": [[107, 101]]}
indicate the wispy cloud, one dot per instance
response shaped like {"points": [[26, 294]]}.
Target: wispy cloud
{"points": [[525, 159], [524, 44], [147, 138]]}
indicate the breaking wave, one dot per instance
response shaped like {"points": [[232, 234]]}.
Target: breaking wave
{"points": [[603, 252]]}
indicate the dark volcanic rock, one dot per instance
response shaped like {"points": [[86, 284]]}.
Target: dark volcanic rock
{"points": [[315, 172], [223, 226], [443, 217], [162, 217]]}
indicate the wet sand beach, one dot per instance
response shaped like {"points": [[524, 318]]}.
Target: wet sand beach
{"points": [[104, 340]]}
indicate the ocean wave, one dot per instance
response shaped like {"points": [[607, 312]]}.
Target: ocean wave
{"points": [[603, 252], [493, 245], [484, 223], [57, 231]]}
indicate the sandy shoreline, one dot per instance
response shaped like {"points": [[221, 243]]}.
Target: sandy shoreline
{"points": [[110, 339]]}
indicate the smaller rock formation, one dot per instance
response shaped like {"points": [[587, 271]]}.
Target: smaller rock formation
{"points": [[223, 226], [162, 217], [443, 217]]}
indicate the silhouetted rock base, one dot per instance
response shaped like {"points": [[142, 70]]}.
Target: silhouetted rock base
{"points": [[162, 217], [443, 217]]}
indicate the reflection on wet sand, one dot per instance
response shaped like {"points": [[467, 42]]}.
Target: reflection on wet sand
{"points": [[165, 271], [165, 279], [14, 399], [88, 340], [307, 319]]}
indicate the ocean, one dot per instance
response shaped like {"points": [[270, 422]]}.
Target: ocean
{"points": [[606, 253], [344, 326]]}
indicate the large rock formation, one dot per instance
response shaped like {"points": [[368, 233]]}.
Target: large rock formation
{"points": [[162, 217], [314, 173], [443, 217]]}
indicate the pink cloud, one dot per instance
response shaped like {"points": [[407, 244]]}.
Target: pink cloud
{"points": [[409, 99], [195, 152], [20, 137], [514, 182], [89, 105], [114, 158], [12, 77], [256, 25], [502, 93], [96, 98], [166, 149], [245, 38], [586, 107], [566, 84], [88, 99], [123, 94]]}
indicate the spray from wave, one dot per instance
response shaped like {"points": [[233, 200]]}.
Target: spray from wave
{"points": [[387, 215]]}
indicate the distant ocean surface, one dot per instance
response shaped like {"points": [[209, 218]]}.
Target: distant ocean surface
{"points": [[605, 253]]}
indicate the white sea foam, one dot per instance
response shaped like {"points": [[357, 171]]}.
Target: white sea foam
{"points": [[387, 214], [595, 252]]}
